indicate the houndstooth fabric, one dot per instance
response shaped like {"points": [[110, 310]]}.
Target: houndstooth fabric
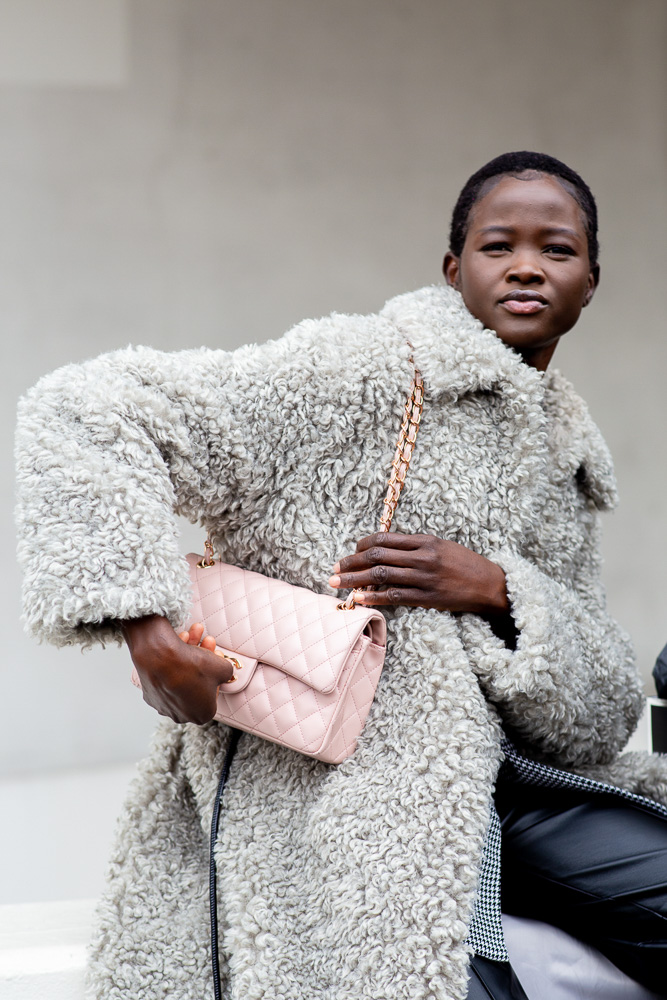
{"points": [[486, 931], [485, 934]]}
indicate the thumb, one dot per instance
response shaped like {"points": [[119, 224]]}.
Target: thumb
{"points": [[211, 663], [227, 666], [233, 664]]}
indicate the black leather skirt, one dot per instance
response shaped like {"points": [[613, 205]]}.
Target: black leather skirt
{"points": [[593, 865]]}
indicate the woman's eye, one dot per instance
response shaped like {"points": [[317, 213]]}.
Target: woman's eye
{"points": [[555, 250], [495, 247]]}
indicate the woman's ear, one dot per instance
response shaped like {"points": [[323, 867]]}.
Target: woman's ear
{"points": [[593, 282], [451, 268]]}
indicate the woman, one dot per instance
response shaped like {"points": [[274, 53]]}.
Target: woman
{"points": [[361, 880]]}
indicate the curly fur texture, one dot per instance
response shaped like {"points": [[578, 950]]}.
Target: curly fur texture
{"points": [[355, 881]]}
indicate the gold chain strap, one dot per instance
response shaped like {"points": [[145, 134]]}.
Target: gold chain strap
{"points": [[405, 447]]}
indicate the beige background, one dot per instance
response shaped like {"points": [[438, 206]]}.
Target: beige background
{"points": [[208, 172]]}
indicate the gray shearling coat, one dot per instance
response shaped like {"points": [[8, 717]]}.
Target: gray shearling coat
{"points": [[356, 881]]}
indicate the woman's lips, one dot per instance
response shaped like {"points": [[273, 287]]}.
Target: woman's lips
{"points": [[523, 306]]}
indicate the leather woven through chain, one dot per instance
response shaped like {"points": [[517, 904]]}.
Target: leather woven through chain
{"points": [[405, 447]]}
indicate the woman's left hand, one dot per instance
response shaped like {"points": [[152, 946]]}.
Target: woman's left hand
{"points": [[423, 571]]}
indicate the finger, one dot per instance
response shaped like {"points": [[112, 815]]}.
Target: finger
{"points": [[208, 642], [391, 539], [382, 576], [394, 596], [196, 631], [377, 555], [184, 636], [383, 541]]}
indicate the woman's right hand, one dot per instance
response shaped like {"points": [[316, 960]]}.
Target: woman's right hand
{"points": [[179, 674]]}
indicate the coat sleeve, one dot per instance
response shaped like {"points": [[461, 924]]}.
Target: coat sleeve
{"points": [[108, 452], [570, 691]]}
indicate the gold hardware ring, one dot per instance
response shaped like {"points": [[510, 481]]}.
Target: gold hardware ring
{"points": [[236, 665]]}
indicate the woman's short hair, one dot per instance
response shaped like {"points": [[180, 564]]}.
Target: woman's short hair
{"points": [[513, 165]]}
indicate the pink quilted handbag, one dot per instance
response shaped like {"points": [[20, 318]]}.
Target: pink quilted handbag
{"points": [[305, 665]]}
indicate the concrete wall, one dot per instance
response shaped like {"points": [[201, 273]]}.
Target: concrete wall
{"points": [[200, 172]]}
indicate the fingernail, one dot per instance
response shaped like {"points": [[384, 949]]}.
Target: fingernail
{"points": [[336, 568], [334, 581]]}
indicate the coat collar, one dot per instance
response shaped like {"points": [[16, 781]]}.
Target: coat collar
{"points": [[453, 351], [457, 355]]}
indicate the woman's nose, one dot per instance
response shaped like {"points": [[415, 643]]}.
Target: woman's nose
{"points": [[525, 269]]}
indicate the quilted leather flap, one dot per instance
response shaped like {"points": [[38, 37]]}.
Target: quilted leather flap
{"points": [[302, 633]]}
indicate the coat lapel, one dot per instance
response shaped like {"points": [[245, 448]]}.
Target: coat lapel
{"points": [[549, 429], [458, 357], [454, 352]]}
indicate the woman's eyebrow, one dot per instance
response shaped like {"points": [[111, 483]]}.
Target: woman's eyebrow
{"points": [[562, 231], [497, 229], [547, 230]]}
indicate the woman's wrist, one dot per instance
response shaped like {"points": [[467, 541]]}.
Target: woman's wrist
{"points": [[483, 589], [146, 633], [132, 627], [498, 612], [497, 600]]}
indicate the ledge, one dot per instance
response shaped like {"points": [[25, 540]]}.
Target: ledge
{"points": [[43, 952]]}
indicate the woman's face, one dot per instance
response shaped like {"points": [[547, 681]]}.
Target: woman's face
{"points": [[524, 270]]}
